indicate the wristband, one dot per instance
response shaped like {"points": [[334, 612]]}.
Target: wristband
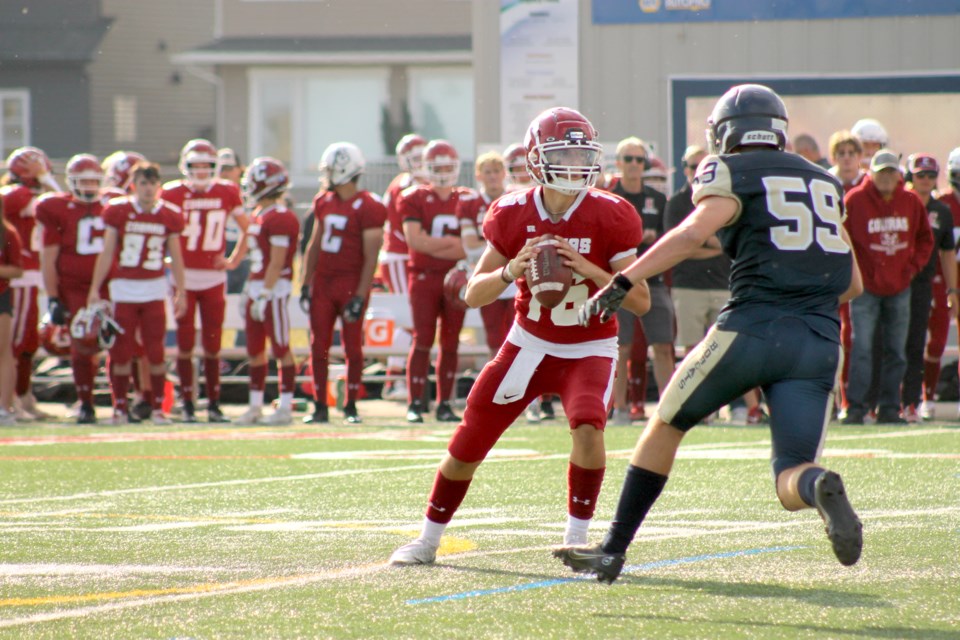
{"points": [[506, 275], [622, 281]]}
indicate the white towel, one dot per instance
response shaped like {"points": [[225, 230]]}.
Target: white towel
{"points": [[514, 384]]}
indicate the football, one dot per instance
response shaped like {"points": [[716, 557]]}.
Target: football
{"points": [[547, 277], [455, 287]]}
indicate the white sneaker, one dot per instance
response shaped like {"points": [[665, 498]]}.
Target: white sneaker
{"points": [[119, 418], [7, 419], [159, 417], [397, 392], [28, 403], [928, 410], [252, 416], [533, 413], [280, 417], [417, 552]]}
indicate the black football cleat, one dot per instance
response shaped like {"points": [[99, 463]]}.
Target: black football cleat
{"points": [[215, 415], [445, 413], [189, 413], [142, 410], [843, 527], [350, 414], [87, 415], [415, 412], [547, 411], [592, 559], [321, 415]]}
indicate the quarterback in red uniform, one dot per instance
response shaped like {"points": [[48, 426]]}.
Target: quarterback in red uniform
{"points": [[271, 242], [72, 240], [206, 203], [140, 230], [547, 351], [433, 235], [338, 270], [28, 175], [10, 260]]}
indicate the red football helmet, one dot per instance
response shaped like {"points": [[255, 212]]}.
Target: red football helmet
{"points": [[118, 168], [455, 286], [441, 163], [196, 152], [84, 177], [410, 154], [93, 329], [562, 151], [264, 177], [515, 157], [54, 338], [28, 165]]}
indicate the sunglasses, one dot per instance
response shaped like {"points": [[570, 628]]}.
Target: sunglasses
{"points": [[637, 159], [929, 175]]}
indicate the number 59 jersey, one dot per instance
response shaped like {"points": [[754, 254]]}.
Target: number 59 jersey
{"points": [[601, 226], [789, 257]]}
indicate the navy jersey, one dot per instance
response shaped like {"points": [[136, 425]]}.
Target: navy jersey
{"points": [[789, 258]]}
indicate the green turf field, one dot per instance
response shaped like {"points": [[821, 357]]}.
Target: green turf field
{"points": [[197, 532]]}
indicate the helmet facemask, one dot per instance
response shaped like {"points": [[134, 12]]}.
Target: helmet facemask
{"points": [[566, 166]]}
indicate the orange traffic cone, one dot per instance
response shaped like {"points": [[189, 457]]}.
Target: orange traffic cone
{"points": [[167, 397]]}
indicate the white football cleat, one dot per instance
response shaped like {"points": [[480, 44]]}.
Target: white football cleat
{"points": [[280, 417], [250, 417], [417, 552], [7, 418], [928, 410], [160, 418]]}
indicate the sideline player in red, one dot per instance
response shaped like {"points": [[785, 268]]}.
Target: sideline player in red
{"points": [[271, 241], [72, 239], [395, 253], [29, 173], [546, 350], [207, 203], [140, 230], [338, 269], [10, 260], [433, 235]]}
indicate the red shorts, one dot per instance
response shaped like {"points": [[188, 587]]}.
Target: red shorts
{"points": [[144, 320], [213, 307], [276, 325], [583, 384], [26, 320]]}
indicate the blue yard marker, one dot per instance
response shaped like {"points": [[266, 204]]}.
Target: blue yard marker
{"points": [[629, 569]]}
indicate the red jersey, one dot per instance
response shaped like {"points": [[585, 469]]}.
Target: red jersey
{"points": [[892, 239], [205, 219], [77, 228], [601, 226], [138, 269], [275, 226], [9, 253], [19, 211], [437, 217], [341, 225], [393, 240], [472, 208]]}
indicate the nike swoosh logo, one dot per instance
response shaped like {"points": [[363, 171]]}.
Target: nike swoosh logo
{"points": [[506, 397]]}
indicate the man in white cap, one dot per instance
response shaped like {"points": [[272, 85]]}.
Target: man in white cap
{"points": [[873, 137]]}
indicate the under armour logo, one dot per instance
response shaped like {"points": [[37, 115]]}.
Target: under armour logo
{"points": [[577, 500], [436, 508]]}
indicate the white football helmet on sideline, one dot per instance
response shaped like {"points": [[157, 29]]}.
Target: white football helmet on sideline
{"points": [[340, 163], [93, 329]]}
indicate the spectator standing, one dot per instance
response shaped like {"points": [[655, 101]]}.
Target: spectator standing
{"points": [[654, 328], [933, 296], [805, 145], [892, 240], [10, 261]]}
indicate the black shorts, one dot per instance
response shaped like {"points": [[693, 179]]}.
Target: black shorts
{"points": [[6, 303]]}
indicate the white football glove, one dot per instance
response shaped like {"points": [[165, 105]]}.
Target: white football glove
{"points": [[258, 309]]}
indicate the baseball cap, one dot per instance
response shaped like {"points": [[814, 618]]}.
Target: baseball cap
{"points": [[692, 151], [227, 157], [884, 159], [922, 162]]}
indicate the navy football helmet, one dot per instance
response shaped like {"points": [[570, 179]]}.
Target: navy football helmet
{"points": [[747, 115]]}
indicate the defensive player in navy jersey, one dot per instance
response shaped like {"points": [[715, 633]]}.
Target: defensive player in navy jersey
{"points": [[779, 218]]}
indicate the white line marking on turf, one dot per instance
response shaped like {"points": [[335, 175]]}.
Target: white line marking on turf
{"points": [[99, 570]]}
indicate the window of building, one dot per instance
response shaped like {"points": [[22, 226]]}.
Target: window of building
{"points": [[441, 104], [14, 120], [124, 119]]}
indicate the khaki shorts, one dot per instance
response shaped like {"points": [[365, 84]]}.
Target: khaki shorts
{"points": [[697, 310]]}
